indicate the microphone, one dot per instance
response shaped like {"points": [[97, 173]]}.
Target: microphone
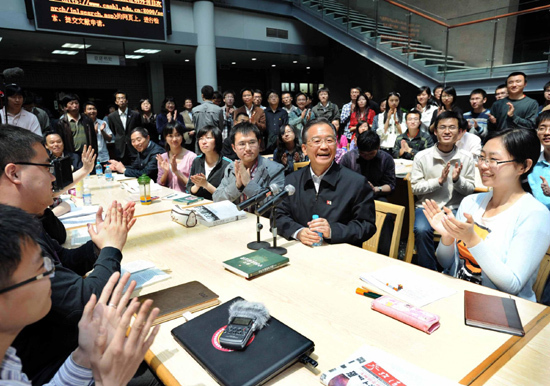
{"points": [[251, 310], [273, 188], [288, 191]]}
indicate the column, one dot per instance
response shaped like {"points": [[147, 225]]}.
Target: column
{"points": [[156, 84], [205, 55]]}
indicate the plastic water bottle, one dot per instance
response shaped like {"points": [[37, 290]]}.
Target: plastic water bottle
{"points": [[98, 170], [318, 244], [87, 196], [108, 173]]}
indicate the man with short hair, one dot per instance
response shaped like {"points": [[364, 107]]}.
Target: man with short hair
{"points": [[345, 115], [146, 160], [257, 98], [372, 104], [228, 109], [76, 129], [516, 110], [341, 198], [122, 121], [13, 112], [540, 176], [56, 149], [286, 98], [227, 148], [442, 173], [325, 108], [207, 113], [300, 117], [413, 140], [501, 92], [251, 173], [103, 132], [256, 115], [479, 116], [275, 118], [376, 166], [30, 105], [467, 141]]}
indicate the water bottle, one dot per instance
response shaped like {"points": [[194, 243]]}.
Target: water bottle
{"points": [[87, 196], [318, 244], [98, 170], [108, 173]]}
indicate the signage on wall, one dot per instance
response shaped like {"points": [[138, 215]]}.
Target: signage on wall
{"points": [[130, 19]]}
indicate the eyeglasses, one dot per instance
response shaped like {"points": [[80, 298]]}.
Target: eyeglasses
{"points": [[543, 129], [50, 272], [450, 128], [493, 163], [252, 144], [316, 141], [50, 167]]}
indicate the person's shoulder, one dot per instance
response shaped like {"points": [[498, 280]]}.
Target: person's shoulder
{"points": [[157, 149], [530, 205], [423, 154], [350, 176], [531, 101], [225, 160], [272, 166], [465, 155]]}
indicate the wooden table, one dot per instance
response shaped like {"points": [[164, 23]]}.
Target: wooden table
{"points": [[315, 295]]}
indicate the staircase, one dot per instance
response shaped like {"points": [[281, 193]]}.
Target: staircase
{"points": [[385, 37]]}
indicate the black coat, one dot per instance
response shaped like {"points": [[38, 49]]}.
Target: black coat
{"points": [[123, 143], [345, 200]]}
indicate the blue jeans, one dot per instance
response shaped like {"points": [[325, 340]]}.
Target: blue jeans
{"points": [[424, 240]]}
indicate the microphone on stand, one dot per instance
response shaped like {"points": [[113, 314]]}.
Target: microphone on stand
{"points": [[288, 191], [273, 188]]}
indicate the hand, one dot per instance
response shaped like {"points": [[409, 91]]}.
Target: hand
{"points": [[471, 123], [320, 225], [419, 107], [296, 157], [456, 171], [435, 216], [128, 209], [284, 159], [192, 133], [163, 163], [492, 119], [544, 186], [308, 115], [303, 113], [116, 166], [237, 169], [475, 123], [88, 159], [169, 117], [444, 173], [440, 109], [253, 117], [405, 146], [462, 230], [308, 237], [174, 163], [511, 109], [112, 231], [371, 186], [199, 180], [115, 362]]}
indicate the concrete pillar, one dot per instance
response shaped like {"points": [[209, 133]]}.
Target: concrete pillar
{"points": [[156, 84], [205, 55]]}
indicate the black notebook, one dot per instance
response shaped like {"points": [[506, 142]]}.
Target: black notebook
{"points": [[271, 350]]}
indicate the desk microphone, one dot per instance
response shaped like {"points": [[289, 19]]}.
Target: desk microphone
{"points": [[288, 191], [273, 188]]}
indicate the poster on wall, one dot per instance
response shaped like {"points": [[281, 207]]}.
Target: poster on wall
{"points": [[129, 19]]}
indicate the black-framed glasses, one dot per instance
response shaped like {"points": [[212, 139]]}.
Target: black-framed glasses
{"points": [[49, 266], [50, 167], [489, 161]]}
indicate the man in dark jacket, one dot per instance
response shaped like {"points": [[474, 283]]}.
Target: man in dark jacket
{"points": [[146, 161], [341, 198], [122, 122]]}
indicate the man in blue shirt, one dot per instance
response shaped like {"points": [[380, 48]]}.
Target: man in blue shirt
{"points": [[539, 177]]}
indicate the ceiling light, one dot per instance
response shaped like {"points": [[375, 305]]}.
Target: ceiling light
{"points": [[62, 52], [76, 46], [186, 60], [295, 61], [233, 62], [133, 56], [307, 68], [146, 51], [253, 59], [0, 39], [273, 65]]}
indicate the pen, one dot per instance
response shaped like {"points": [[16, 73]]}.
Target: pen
{"points": [[372, 295]]}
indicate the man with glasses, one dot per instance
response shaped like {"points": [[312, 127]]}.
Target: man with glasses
{"points": [[249, 174], [540, 177], [413, 140], [442, 173], [341, 198]]}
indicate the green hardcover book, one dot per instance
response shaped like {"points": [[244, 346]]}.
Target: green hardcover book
{"points": [[255, 263]]}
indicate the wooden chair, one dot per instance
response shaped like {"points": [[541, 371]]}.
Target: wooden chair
{"points": [[299, 165], [542, 276], [382, 210]]}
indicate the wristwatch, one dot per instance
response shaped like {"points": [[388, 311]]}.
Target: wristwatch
{"points": [[379, 189]]}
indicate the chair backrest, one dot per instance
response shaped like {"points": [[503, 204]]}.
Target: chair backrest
{"points": [[410, 239], [542, 276], [382, 210], [299, 165]]}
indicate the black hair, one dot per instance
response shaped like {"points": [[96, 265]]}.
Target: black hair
{"points": [[431, 101], [68, 98], [543, 116], [361, 123], [17, 228], [368, 141], [413, 111], [245, 128], [142, 130], [16, 145], [399, 111], [217, 95], [316, 121], [446, 115], [300, 93], [216, 133], [120, 92], [479, 91], [28, 98], [90, 103], [356, 88], [522, 144], [13, 89], [517, 73], [281, 147], [272, 91], [207, 92], [450, 90], [50, 132], [164, 102], [169, 128], [546, 86], [438, 86], [503, 85], [357, 108], [323, 89], [144, 100], [229, 92], [239, 114], [257, 91]]}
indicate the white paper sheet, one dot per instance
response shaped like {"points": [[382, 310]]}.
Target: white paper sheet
{"points": [[80, 237]]}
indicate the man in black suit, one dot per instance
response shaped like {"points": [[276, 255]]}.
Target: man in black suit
{"points": [[122, 122]]}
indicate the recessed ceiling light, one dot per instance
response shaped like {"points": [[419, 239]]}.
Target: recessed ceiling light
{"points": [[295, 61], [186, 60], [146, 51], [233, 62], [307, 68], [63, 52], [76, 46], [253, 59], [133, 56], [0, 39], [273, 65]]}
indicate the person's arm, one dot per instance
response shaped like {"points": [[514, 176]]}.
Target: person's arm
{"points": [[261, 121], [419, 184], [345, 114], [388, 176], [274, 175], [531, 113], [88, 162], [150, 168], [106, 132], [294, 119], [227, 189], [465, 184], [71, 374], [35, 125]]}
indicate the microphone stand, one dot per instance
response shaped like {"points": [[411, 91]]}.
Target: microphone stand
{"points": [[275, 248], [255, 245]]}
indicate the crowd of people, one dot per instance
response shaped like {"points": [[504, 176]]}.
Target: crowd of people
{"points": [[220, 151]]}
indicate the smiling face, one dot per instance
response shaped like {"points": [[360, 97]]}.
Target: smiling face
{"points": [[247, 98], [423, 98], [287, 99], [320, 147], [139, 142], [477, 101], [170, 106], [174, 140], [364, 127], [502, 175], [145, 106], [515, 85], [543, 132], [301, 101], [54, 143], [91, 112], [448, 133], [501, 93], [288, 136]]}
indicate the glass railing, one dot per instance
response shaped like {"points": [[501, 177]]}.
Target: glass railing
{"points": [[488, 44]]}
